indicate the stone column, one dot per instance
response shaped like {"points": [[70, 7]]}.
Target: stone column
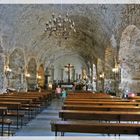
{"points": [[62, 70], [52, 74], [100, 73], [94, 77], [76, 76], [73, 74]]}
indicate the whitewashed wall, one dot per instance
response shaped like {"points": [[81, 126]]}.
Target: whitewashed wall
{"points": [[62, 61]]}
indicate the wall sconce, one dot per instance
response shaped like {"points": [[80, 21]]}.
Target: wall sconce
{"points": [[38, 77], [50, 85], [116, 70], [94, 79], [102, 75], [7, 71], [27, 75]]}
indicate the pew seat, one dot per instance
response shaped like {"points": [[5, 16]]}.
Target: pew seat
{"points": [[118, 116], [94, 127], [7, 122], [15, 114]]}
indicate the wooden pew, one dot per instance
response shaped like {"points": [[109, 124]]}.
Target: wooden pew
{"points": [[91, 96], [13, 106], [30, 106], [30, 101], [25, 101], [101, 108], [99, 115], [39, 100], [135, 98], [23, 107], [4, 121], [101, 103], [43, 98], [96, 100], [92, 127]]}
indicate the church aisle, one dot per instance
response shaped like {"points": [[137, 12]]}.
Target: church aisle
{"points": [[40, 126]]}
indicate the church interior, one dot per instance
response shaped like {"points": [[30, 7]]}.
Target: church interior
{"points": [[89, 50]]}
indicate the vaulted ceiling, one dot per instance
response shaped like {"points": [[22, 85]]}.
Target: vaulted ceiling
{"points": [[23, 26]]}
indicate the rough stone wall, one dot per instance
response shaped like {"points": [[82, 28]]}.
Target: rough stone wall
{"points": [[129, 58], [1, 73], [1, 69], [16, 79], [131, 15], [23, 26]]}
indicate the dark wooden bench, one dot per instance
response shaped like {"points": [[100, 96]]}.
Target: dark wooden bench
{"points": [[35, 100], [98, 100], [99, 115], [4, 121], [101, 108], [38, 101], [13, 106], [101, 103], [93, 127], [90, 96], [26, 104]]}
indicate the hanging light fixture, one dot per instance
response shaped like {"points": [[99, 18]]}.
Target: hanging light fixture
{"points": [[60, 27]]}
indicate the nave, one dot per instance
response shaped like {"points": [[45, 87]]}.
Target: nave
{"points": [[40, 126], [91, 47]]}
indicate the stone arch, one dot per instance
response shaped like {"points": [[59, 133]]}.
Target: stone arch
{"points": [[109, 62], [129, 58], [109, 81], [16, 63], [32, 71], [41, 76]]}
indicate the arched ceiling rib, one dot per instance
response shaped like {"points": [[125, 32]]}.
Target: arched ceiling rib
{"points": [[94, 24]]}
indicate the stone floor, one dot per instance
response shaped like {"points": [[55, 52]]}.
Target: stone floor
{"points": [[40, 126]]}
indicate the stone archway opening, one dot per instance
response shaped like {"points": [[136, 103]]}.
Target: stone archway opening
{"points": [[16, 79], [41, 76], [32, 72], [130, 60], [110, 80]]}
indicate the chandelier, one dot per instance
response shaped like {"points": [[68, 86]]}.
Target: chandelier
{"points": [[60, 27]]}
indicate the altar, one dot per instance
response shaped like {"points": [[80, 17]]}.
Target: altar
{"points": [[66, 85]]}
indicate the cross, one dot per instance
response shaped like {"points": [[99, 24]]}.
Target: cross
{"points": [[69, 66]]}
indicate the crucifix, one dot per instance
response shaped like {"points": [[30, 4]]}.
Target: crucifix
{"points": [[69, 66]]}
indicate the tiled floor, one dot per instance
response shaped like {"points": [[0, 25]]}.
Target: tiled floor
{"points": [[40, 126]]}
